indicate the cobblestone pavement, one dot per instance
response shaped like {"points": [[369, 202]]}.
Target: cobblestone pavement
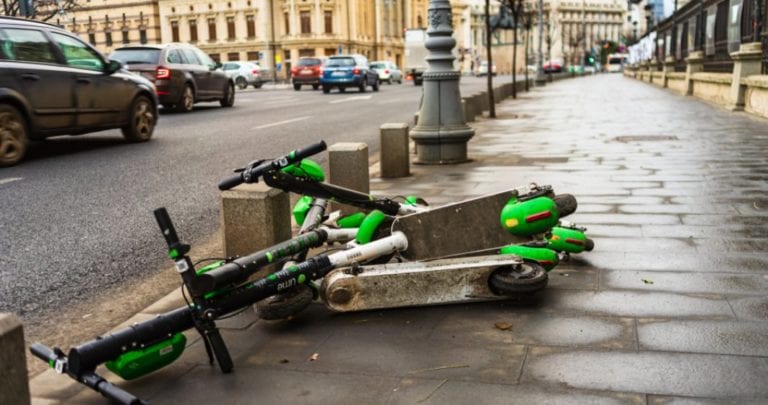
{"points": [[670, 307]]}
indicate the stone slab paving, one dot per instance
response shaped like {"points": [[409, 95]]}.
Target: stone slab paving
{"points": [[670, 307]]}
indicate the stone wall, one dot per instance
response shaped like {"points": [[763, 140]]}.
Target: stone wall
{"points": [[676, 82], [712, 87], [756, 99]]}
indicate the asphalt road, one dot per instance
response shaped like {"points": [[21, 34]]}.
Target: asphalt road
{"points": [[76, 217]]}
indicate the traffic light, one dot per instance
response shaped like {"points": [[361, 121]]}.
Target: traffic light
{"points": [[590, 59]]}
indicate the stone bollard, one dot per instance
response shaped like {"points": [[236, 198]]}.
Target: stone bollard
{"points": [[394, 161], [746, 62], [468, 103], [253, 217], [667, 68], [416, 118], [14, 387], [348, 167]]}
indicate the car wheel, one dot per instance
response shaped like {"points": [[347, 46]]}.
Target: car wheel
{"points": [[296, 86], [326, 89], [342, 89], [315, 86], [389, 81], [187, 101], [376, 86], [257, 85], [229, 96], [362, 85], [241, 83], [141, 122], [13, 136]]}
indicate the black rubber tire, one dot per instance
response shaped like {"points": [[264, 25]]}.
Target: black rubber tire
{"points": [[342, 89], [376, 86], [389, 81], [257, 85], [362, 85], [326, 89], [566, 204], [241, 83], [229, 96], [187, 101], [142, 121], [525, 278], [14, 138], [296, 86], [284, 305], [589, 244], [315, 86]]}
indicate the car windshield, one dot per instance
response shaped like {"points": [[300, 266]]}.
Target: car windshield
{"points": [[378, 65], [136, 56], [308, 62], [340, 62]]}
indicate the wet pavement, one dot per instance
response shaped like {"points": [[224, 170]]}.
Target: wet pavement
{"points": [[670, 307]]}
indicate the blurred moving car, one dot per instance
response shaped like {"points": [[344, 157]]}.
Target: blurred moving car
{"points": [[52, 83], [388, 71], [344, 71], [307, 71], [552, 66], [244, 74], [182, 73], [482, 69], [616, 61]]}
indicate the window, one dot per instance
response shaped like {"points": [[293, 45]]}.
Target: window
{"points": [[252, 55], [174, 56], [306, 24], [250, 23], [211, 29], [734, 25], [709, 43], [233, 56], [78, 54], [193, 30], [306, 53], [108, 36], [27, 45], [328, 15], [329, 51], [143, 36], [230, 28], [190, 56], [215, 57], [204, 58], [174, 31], [287, 21], [92, 38], [126, 38]]}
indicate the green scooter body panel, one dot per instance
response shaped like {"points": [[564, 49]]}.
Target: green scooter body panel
{"points": [[567, 240], [140, 362], [369, 225], [351, 220], [301, 209], [307, 169], [529, 217], [547, 258]]}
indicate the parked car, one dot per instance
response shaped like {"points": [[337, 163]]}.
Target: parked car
{"points": [[344, 71], [307, 71], [182, 73], [52, 83], [552, 66], [388, 71], [244, 74], [482, 69]]}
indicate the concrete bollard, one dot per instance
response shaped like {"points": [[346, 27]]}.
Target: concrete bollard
{"points": [[253, 217], [394, 160], [348, 167], [416, 118], [14, 387], [468, 104]]}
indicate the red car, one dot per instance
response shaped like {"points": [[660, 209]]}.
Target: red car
{"points": [[553, 66], [307, 71]]}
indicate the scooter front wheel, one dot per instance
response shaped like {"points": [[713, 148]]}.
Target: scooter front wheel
{"points": [[566, 204], [284, 305], [525, 278]]}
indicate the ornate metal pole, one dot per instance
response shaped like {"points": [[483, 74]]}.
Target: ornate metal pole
{"points": [[441, 134]]}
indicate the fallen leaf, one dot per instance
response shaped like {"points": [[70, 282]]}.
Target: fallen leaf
{"points": [[314, 357], [647, 281], [503, 326]]}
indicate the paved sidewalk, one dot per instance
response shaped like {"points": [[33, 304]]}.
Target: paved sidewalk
{"points": [[670, 307]]}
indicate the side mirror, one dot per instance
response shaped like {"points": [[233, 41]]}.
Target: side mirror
{"points": [[113, 66], [217, 65]]}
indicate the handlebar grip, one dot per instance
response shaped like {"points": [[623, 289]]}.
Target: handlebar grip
{"points": [[231, 182], [310, 150], [43, 352], [113, 392], [166, 226]]}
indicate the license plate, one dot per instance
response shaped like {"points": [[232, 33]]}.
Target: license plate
{"points": [[306, 72], [338, 74]]}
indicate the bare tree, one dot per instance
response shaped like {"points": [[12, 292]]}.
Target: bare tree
{"points": [[42, 10], [515, 9]]}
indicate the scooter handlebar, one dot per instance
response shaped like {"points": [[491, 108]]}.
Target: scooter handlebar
{"points": [[252, 174]]}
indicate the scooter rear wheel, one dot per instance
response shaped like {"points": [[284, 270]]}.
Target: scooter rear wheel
{"points": [[525, 278], [286, 304], [566, 204]]}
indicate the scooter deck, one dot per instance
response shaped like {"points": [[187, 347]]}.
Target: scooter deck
{"points": [[408, 284], [456, 228]]}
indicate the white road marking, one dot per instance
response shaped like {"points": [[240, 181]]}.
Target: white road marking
{"points": [[274, 124], [9, 180], [353, 98]]}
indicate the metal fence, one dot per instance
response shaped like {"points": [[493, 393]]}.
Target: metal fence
{"points": [[715, 27]]}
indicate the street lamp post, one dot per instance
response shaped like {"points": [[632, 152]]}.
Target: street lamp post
{"points": [[441, 134], [540, 79]]}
